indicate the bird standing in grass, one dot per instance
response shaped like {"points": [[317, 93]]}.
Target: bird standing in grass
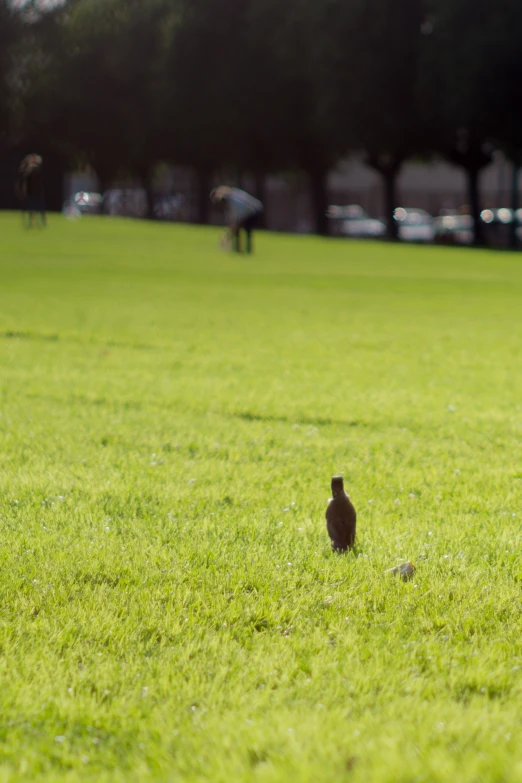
{"points": [[341, 517]]}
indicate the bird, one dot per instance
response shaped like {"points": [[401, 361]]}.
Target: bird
{"points": [[341, 517]]}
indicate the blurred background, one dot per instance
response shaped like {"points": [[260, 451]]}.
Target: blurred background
{"points": [[358, 118]]}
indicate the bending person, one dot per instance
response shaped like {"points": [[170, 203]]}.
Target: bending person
{"points": [[243, 211]]}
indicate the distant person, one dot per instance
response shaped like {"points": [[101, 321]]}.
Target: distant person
{"points": [[31, 189], [243, 211]]}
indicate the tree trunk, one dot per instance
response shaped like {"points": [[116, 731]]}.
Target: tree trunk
{"points": [[105, 180], [9, 162], [204, 176], [149, 193], [472, 156], [54, 173], [143, 173], [513, 226], [388, 166], [319, 195], [474, 204], [390, 203]]}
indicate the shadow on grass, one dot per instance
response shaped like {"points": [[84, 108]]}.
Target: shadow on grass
{"points": [[11, 334], [313, 421], [14, 335], [465, 692]]}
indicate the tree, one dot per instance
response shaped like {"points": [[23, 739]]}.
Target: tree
{"points": [[10, 34], [10, 29], [458, 85], [92, 88], [291, 111], [315, 143], [262, 140], [202, 91], [506, 68], [29, 131], [382, 102]]}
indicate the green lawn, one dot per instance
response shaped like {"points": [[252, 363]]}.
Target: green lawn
{"points": [[170, 419]]}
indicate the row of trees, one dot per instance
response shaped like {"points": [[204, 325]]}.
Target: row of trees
{"points": [[264, 86]]}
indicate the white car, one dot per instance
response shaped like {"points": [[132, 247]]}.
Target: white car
{"points": [[353, 221], [83, 203], [415, 225]]}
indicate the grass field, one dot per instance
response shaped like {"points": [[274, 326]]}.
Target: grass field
{"points": [[170, 419]]}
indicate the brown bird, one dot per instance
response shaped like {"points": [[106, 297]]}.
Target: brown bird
{"points": [[340, 517]]}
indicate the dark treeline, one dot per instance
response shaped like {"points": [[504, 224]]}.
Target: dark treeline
{"points": [[262, 86]]}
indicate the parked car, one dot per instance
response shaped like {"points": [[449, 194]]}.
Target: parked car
{"points": [[414, 225], [498, 223], [502, 216], [454, 228], [353, 221], [83, 203]]}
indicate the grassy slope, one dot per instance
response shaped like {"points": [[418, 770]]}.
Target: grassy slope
{"points": [[170, 418]]}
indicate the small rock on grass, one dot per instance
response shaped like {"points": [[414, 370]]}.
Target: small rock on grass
{"points": [[404, 570]]}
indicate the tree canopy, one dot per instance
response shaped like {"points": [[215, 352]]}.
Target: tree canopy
{"points": [[260, 86]]}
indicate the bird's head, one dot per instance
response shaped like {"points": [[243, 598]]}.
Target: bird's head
{"points": [[337, 486]]}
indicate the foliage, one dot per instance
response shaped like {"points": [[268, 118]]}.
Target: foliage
{"points": [[468, 84], [9, 34], [385, 109], [261, 86]]}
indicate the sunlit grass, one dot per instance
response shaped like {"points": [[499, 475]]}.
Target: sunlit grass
{"points": [[170, 419]]}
